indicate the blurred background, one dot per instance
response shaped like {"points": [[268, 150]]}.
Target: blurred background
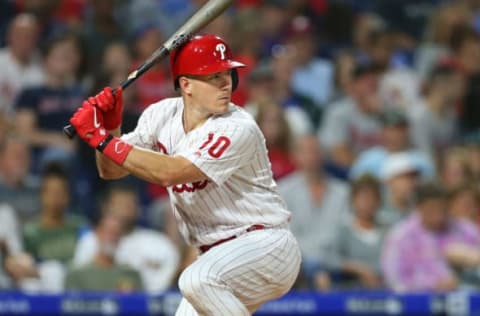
{"points": [[370, 111]]}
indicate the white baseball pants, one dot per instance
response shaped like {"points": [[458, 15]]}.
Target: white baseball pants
{"points": [[238, 276]]}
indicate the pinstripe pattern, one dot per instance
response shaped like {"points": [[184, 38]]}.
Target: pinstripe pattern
{"points": [[241, 191], [236, 277]]}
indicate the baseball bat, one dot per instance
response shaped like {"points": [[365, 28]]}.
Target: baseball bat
{"points": [[202, 17]]}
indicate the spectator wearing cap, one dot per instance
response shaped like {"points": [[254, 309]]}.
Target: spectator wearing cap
{"points": [[395, 138], [400, 176], [433, 120], [350, 125], [421, 252], [313, 77]]}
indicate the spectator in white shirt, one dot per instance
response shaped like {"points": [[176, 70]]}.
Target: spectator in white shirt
{"points": [[149, 252]]}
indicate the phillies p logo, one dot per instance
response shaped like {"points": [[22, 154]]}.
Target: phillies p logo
{"points": [[221, 48]]}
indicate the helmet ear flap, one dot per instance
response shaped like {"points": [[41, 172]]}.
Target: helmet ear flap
{"points": [[176, 84], [234, 79]]}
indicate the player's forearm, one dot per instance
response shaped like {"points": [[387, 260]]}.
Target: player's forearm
{"points": [[162, 169], [107, 169]]}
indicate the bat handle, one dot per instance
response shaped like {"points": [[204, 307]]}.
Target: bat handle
{"points": [[162, 52], [70, 131]]}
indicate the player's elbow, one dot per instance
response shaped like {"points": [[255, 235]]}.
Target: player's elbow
{"points": [[105, 175]]}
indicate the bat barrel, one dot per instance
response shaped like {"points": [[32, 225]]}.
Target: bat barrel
{"points": [[207, 13]]}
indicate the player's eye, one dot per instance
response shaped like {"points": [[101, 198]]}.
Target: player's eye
{"points": [[218, 75], [214, 76]]}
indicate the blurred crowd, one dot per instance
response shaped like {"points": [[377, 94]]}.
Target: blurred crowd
{"points": [[370, 111]]}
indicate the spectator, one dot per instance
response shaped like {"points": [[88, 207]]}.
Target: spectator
{"points": [[44, 11], [116, 59], [454, 168], [366, 27], [434, 122], [100, 29], [465, 46], [149, 252], [297, 105], [395, 139], [54, 234], [400, 175], [266, 84], [18, 187], [104, 273], [344, 65], [350, 125], [155, 84], [50, 240], [19, 62], [312, 77], [464, 203], [419, 253], [246, 43], [318, 204], [435, 47], [275, 18], [42, 111], [400, 89], [359, 242], [273, 124]]}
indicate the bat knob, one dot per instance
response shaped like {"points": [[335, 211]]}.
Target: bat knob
{"points": [[70, 131]]}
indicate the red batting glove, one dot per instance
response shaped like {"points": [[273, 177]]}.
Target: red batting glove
{"points": [[111, 105], [88, 122]]}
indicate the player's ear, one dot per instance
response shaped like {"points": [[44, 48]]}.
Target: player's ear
{"points": [[185, 84]]}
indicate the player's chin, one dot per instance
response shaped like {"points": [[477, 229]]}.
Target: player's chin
{"points": [[222, 106]]}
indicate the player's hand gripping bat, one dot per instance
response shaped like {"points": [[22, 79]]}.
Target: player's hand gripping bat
{"points": [[202, 17]]}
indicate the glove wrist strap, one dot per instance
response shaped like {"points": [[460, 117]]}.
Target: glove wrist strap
{"points": [[115, 149], [104, 143]]}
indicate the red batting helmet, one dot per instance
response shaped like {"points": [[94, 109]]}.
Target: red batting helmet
{"points": [[203, 55]]}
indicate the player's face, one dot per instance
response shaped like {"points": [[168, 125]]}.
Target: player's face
{"points": [[212, 92]]}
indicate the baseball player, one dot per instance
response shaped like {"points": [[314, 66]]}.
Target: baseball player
{"points": [[211, 156]]}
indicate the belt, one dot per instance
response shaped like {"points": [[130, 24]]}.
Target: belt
{"points": [[205, 248]]}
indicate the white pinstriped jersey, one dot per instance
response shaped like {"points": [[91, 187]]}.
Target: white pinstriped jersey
{"points": [[230, 149]]}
